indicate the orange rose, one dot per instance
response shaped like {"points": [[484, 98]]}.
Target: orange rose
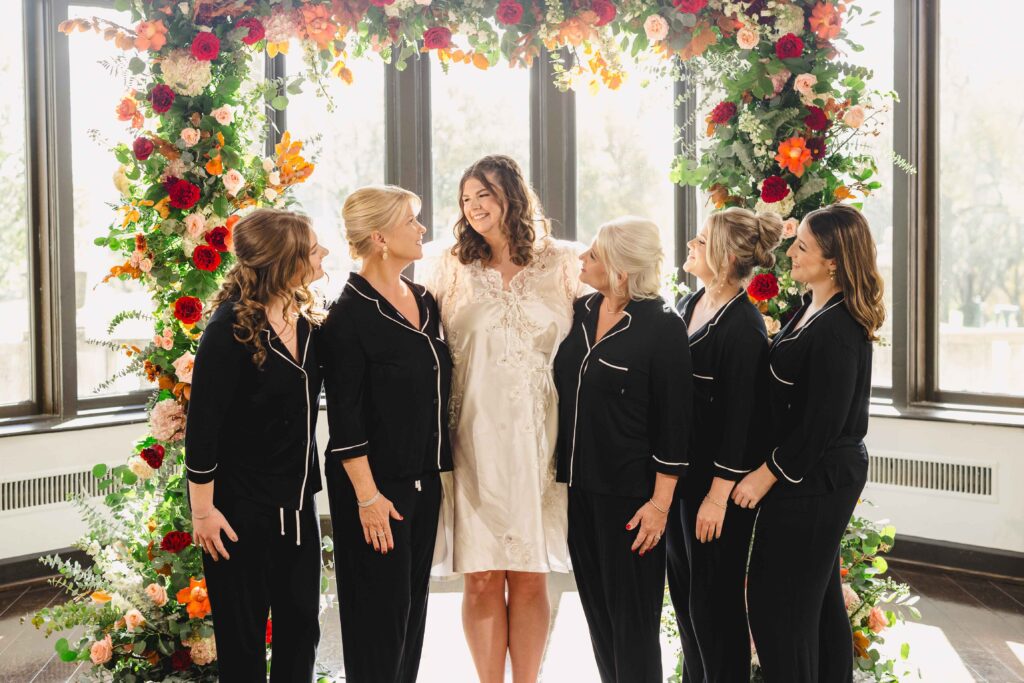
{"points": [[195, 598]]}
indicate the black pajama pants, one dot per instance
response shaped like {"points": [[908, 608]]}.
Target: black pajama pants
{"points": [[268, 575], [621, 592], [797, 612], [382, 599], [708, 586]]}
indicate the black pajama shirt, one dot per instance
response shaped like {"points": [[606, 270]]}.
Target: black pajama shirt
{"points": [[624, 416], [388, 384], [820, 386], [708, 580], [251, 431]]}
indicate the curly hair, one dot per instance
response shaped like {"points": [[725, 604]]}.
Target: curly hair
{"points": [[521, 212], [272, 248]]}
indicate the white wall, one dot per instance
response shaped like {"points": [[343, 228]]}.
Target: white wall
{"points": [[995, 523]]}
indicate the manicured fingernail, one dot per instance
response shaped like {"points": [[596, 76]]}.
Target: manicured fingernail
{"points": [[628, 527]]}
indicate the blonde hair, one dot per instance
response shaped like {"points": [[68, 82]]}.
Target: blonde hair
{"points": [[750, 238], [374, 208], [272, 248], [631, 246]]}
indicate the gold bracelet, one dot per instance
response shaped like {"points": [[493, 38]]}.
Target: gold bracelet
{"points": [[658, 507], [715, 502]]}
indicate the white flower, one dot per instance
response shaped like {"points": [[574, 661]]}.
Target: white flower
{"points": [[788, 19], [274, 178], [223, 114], [233, 181], [121, 181], [746, 38], [656, 28], [185, 74], [140, 468], [190, 136], [270, 193], [792, 291], [783, 207], [425, 3], [268, 165]]}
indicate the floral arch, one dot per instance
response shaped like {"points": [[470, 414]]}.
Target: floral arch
{"points": [[782, 134]]}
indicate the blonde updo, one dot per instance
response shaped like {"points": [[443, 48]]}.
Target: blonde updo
{"points": [[631, 246], [374, 208], [750, 238]]}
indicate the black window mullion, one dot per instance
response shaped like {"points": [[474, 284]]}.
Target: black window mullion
{"points": [[553, 148], [407, 133], [684, 92]]}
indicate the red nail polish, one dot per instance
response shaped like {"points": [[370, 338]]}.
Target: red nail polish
{"points": [[628, 527]]}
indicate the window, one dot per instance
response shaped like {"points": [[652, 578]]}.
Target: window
{"points": [[347, 146], [474, 113], [624, 153], [980, 303], [95, 90], [16, 352]]}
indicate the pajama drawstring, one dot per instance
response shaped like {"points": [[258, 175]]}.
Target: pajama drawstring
{"points": [[298, 526], [282, 520]]}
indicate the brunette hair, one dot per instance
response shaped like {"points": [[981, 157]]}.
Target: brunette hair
{"points": [[374, 208], [751, 238], [631, 246], [843, 234], [272, 248], [521, 212]]}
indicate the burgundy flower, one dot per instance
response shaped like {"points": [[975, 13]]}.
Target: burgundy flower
{"points": [[188, 309], [219, 238], [774, 189], [206, 258], [763, 287], [154, 456], [256, 30], [175, 541], [205, 46], [437, 38], [509, 12], [142, 147], [161, 97], [723, 112], [690, 6], [817, 119], [184, 194], [181, 660], [605, 11], [817, 147], [789, 46]]}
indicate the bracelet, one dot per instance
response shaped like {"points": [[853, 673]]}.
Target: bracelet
{"points": [[201, 517], [367, 503], [658, 507], [714, 502]]}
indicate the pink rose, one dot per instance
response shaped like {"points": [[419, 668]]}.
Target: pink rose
{"points": [[195, 224], [183, 367], [101, 651], [804, 84], [133, 619], [789, 227], [876, 620], [233, 182], [223, 114], [854, 116], [146, 265], [746, 38], [850, 598], [190, 136], [779, 80], [157, 594], [656, 28], [167, 420]]}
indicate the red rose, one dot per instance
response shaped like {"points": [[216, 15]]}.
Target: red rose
{"points": [[142, 147], [774, 189], [437, 38], [763, 287], [184, 194], [219, 238], [161, 97], [206, 257], [509, 12], [817, 147], [181, 660], [175, 541], [690, 6], [605, 11], [256, 30], [188, 309], [817, 119], [270, 632], [789, 46], [154, 456], [723, 112], [205, 46]]}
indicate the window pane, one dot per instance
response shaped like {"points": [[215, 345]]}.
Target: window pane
{"points": [[348, 156], [95, 91], [15, 337], [474, 113], [981, 232], [624, 154]]}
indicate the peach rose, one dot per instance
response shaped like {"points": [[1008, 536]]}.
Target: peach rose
{"points": [[146, 265], [772, 325], [804, 84], [850, 598], [656, 28], [133, 619], [270, 193], [223, 114], [195, 224], [121, 181], [789, 227], [854, 116], [746, 38], [876, 620], [190, 136], [233, 182], [157, 594], [101, 651], [183, 367]]}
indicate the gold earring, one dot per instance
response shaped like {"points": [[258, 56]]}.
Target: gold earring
{"points": [[384, 256], [832, 275]]}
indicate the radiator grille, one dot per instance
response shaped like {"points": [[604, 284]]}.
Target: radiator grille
{"points": [[952, 477], [47, 490]]}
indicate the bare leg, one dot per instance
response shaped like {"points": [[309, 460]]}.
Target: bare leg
{"points": [[485, 621], [529, 619]]}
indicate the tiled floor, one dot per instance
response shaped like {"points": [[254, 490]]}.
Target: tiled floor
{"points": [[972, 630]]}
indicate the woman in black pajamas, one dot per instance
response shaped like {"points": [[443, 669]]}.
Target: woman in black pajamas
{"points": [[624, 385], [250, 451], [388, 375], [708, 540], [820, 384]]}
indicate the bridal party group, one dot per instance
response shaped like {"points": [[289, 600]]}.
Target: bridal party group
{"points": [[526, 405]]}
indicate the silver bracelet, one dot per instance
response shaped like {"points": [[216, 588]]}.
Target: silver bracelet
{"points": [[367, 503], [658, 507]]}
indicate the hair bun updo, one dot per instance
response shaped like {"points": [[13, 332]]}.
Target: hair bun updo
{"points": [[769, 236]]}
